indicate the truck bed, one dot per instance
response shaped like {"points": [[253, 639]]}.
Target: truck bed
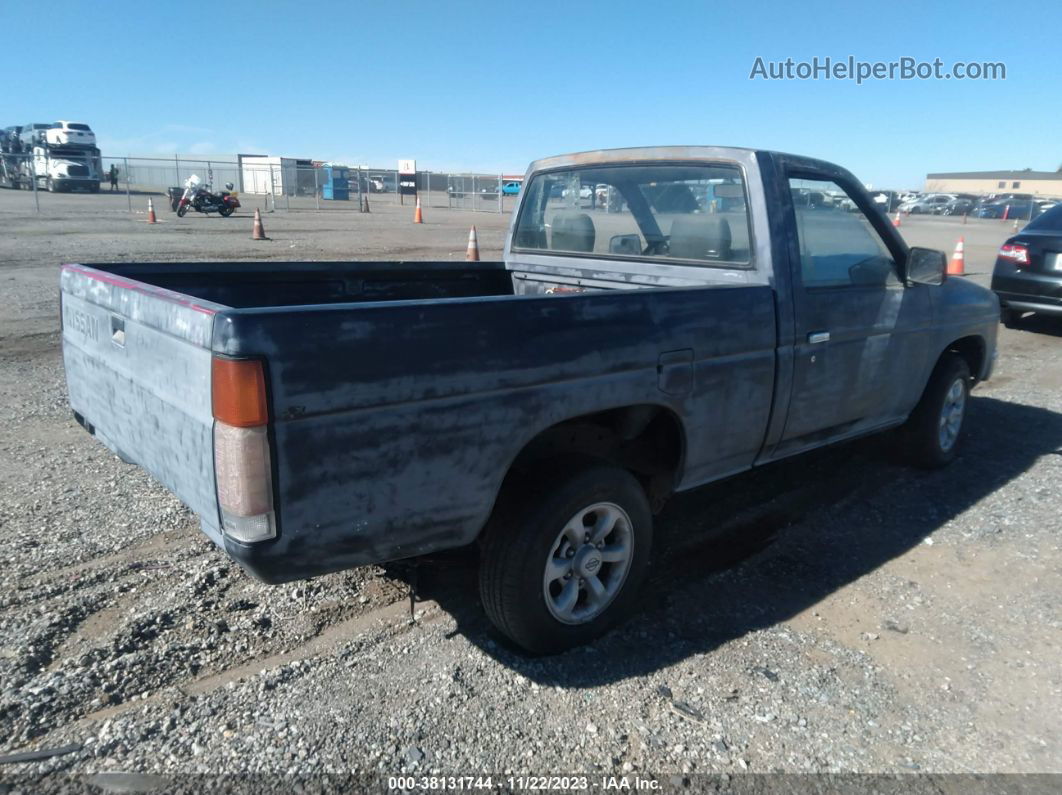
{"points": [[246, 285], [399, 394]]}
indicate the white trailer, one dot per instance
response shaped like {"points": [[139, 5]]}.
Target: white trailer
{"points": [[273, 175]]}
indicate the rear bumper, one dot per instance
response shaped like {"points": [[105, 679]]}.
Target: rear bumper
{"points": [[1028, 290], [284, 559], [1023, 305]]}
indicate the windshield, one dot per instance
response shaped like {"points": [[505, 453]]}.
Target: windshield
{"points": [[685, 212], [84, 127]]}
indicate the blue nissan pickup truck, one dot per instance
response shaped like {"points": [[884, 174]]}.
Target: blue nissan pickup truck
{"points": [[662, 318]]}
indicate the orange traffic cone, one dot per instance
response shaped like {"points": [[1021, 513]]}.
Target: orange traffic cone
{"points": [[151, 212], [957, 266], [896, 220], [418, 217], [258, 233], [473, 246]]}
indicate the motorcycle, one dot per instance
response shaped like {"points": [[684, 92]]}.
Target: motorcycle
{"points": [[201, 199]]}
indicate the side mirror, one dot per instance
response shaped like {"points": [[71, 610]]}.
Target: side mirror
{"points": [[625, 244], [926, 266]]}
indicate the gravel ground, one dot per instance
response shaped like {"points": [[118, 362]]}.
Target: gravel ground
{"points": [[834, 614]]}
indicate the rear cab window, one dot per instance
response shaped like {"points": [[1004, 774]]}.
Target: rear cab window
{"points": [[695, 213]]}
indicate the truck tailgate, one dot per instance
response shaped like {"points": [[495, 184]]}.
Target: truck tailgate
{"points": [[138, 372]]}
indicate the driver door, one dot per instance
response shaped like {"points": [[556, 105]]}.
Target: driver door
{"points": [[855, 319]]}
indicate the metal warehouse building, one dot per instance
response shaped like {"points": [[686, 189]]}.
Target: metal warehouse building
{"points": [[1038, 183]]}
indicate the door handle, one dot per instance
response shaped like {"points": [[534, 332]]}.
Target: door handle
{"points": [[818, 336]]}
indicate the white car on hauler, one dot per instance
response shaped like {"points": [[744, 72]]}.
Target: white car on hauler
{"points": [[66, 133]]}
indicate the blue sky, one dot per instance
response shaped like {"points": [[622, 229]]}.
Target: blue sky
{"points": [[489, 86]]}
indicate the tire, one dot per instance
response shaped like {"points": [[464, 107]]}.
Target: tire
{"points": [[225, 212], [51, 185], [1009, 317], [181, 211], [933, 431], [534, 533]]}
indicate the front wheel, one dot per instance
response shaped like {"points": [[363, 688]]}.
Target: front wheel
{"points": [[562, 560], [931, 434], [1009, 317], [182, 210]]}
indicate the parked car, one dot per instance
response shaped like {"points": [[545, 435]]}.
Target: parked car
{"points": [[63, 133], [318, 416], [511, 188], [585, 192], [958, 206], [11, 140], [887, 200], [811, 199], [33, 134], [1016, 209], [927, 204], [1028, 273]]}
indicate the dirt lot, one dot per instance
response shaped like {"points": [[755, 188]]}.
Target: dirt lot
{"points": [[837, 613]]}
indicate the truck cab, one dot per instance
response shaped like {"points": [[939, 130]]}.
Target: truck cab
{"points": [[66, 168]]}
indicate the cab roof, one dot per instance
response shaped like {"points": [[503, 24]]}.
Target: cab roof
{"points": [[679, 153]]}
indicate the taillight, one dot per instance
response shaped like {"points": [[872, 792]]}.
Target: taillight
{"points": [[242, 464], [1016, 253], [238, 392]]}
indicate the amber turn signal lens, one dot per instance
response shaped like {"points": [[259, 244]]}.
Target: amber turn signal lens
{"points": [[238, 392]]}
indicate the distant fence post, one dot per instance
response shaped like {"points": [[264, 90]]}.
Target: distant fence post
{"points": [[128, 196], [316, 188], [33, 182], [499, 193]]}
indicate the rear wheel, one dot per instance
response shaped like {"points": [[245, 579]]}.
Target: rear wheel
{"points": [[52, 188], [225, 211], [932, 432], [1009, 317], [562, 560]]}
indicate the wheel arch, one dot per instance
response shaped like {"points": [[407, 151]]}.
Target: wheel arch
{"points": [[647, 439], [972, 349]]}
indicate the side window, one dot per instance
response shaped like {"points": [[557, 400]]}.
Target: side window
{"points": [[663, 212], [838, 245]]}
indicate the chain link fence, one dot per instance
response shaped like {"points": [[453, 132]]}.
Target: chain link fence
{"points": [[280, 184]]}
